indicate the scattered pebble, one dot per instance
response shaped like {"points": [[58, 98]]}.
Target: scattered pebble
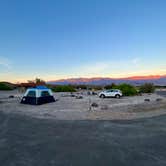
{"points": [[79, 97], [104, 107], [159, 99], [94, 105], [11, 96], [147, 100]]}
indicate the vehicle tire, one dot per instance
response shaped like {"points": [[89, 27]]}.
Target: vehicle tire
{"points": [[117, 96], [102, 96]]}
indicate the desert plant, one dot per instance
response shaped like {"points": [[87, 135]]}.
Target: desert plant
{"points": [[111, 86], [4, 86], [37, 81], [80, 86], [127, 89], [97, 87], [147, 88], [63, 88]]}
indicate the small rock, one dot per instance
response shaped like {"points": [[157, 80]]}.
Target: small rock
{"points": [[79, 97], [88, 93], [159, 99], [147, 100], [104, 107], [11, 96], [94, 105], [72, 95], [63, 95], [139, 94], [94, 93]]}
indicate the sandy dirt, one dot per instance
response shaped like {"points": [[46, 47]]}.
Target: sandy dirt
{"points": [[70, 108]]}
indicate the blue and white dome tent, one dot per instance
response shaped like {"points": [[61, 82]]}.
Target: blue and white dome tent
{"points": [[38, 95]]}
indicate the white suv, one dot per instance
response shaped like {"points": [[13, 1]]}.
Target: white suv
{"points": [[111, 93]]}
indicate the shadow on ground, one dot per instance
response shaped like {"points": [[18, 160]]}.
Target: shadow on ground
{"points": [[26, 141]]}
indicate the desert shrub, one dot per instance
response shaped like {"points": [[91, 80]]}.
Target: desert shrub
{"points": [[147, 88], [37, 81], [97, 87], [127, 89], [111, 86], [4, 86], [80, 86], [63, 88]]}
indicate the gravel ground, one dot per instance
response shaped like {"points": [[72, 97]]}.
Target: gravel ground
{"points": [[27, 141], [66, 133], [70, 108]]}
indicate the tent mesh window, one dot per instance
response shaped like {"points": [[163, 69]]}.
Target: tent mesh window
{"points": [[45, 94], [31, 94]]}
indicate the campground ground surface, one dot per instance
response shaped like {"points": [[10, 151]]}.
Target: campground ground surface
{"points": [[70, 108], [35, 135], [27, 141]]}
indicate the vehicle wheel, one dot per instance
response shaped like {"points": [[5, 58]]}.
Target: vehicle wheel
{"points": [[117, 96], [102, 96]]}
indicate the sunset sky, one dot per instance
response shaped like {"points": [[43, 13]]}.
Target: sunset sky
{"points": [[55, 39]]}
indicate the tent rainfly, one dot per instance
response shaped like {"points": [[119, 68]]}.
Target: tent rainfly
{"points": [[37, 96]]}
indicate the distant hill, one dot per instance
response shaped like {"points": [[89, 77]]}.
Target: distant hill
{"points": [[136, 80]]}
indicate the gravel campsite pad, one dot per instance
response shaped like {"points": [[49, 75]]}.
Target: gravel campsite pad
{"points": [[68, 107]]}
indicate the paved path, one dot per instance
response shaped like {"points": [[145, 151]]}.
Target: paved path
{"points": [[25, 141]]}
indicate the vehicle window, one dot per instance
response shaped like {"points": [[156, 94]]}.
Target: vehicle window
{"points": [[45, 93], [31, 94], [115, 90], [110, 91]]}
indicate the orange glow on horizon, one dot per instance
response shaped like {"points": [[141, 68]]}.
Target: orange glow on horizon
{"points": [[134, 76]]}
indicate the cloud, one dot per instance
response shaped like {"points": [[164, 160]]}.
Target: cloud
{"points": [[5, 62], [136, 61]]}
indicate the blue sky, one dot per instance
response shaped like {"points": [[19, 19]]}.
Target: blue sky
{"points": [[55, 39]]}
